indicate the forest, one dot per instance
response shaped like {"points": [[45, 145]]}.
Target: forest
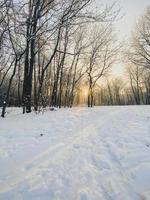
{"points": [[61, 53], [74, 100]]}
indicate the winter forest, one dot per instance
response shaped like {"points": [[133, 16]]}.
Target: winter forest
{"points": [[62, 53], [74, 100]]}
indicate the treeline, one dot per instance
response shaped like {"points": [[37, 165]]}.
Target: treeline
{"points": [[132, 91]]}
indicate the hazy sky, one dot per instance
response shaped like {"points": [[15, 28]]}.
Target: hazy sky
{"points": [[132, 10]]}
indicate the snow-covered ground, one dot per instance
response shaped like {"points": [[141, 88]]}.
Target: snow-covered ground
{"points": [[101, 153]]}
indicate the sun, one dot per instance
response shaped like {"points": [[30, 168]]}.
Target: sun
{"points": [[85, 91]]}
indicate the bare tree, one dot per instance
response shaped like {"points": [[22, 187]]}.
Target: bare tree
{"points": [[101, 57], [135, 77], [17, 51], [139, 52]]}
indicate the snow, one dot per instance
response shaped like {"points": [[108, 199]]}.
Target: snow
{"points": [[101, 153]]}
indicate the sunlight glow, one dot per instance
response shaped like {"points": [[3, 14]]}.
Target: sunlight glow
{"points": [[85, 92]]}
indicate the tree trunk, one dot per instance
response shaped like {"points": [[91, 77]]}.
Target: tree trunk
{"points": [[8, 90]]}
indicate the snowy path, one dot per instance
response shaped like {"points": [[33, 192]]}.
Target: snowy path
{"points": [[84, 154]]}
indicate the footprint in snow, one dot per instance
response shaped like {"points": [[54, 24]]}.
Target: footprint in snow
{"points": [[101, 164], [76, 146]]}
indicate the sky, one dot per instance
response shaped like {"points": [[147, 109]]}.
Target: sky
{"points": [[132, 10]]}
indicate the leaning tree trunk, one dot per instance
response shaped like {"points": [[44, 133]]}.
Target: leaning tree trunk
{"points": [[8, 90]]}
